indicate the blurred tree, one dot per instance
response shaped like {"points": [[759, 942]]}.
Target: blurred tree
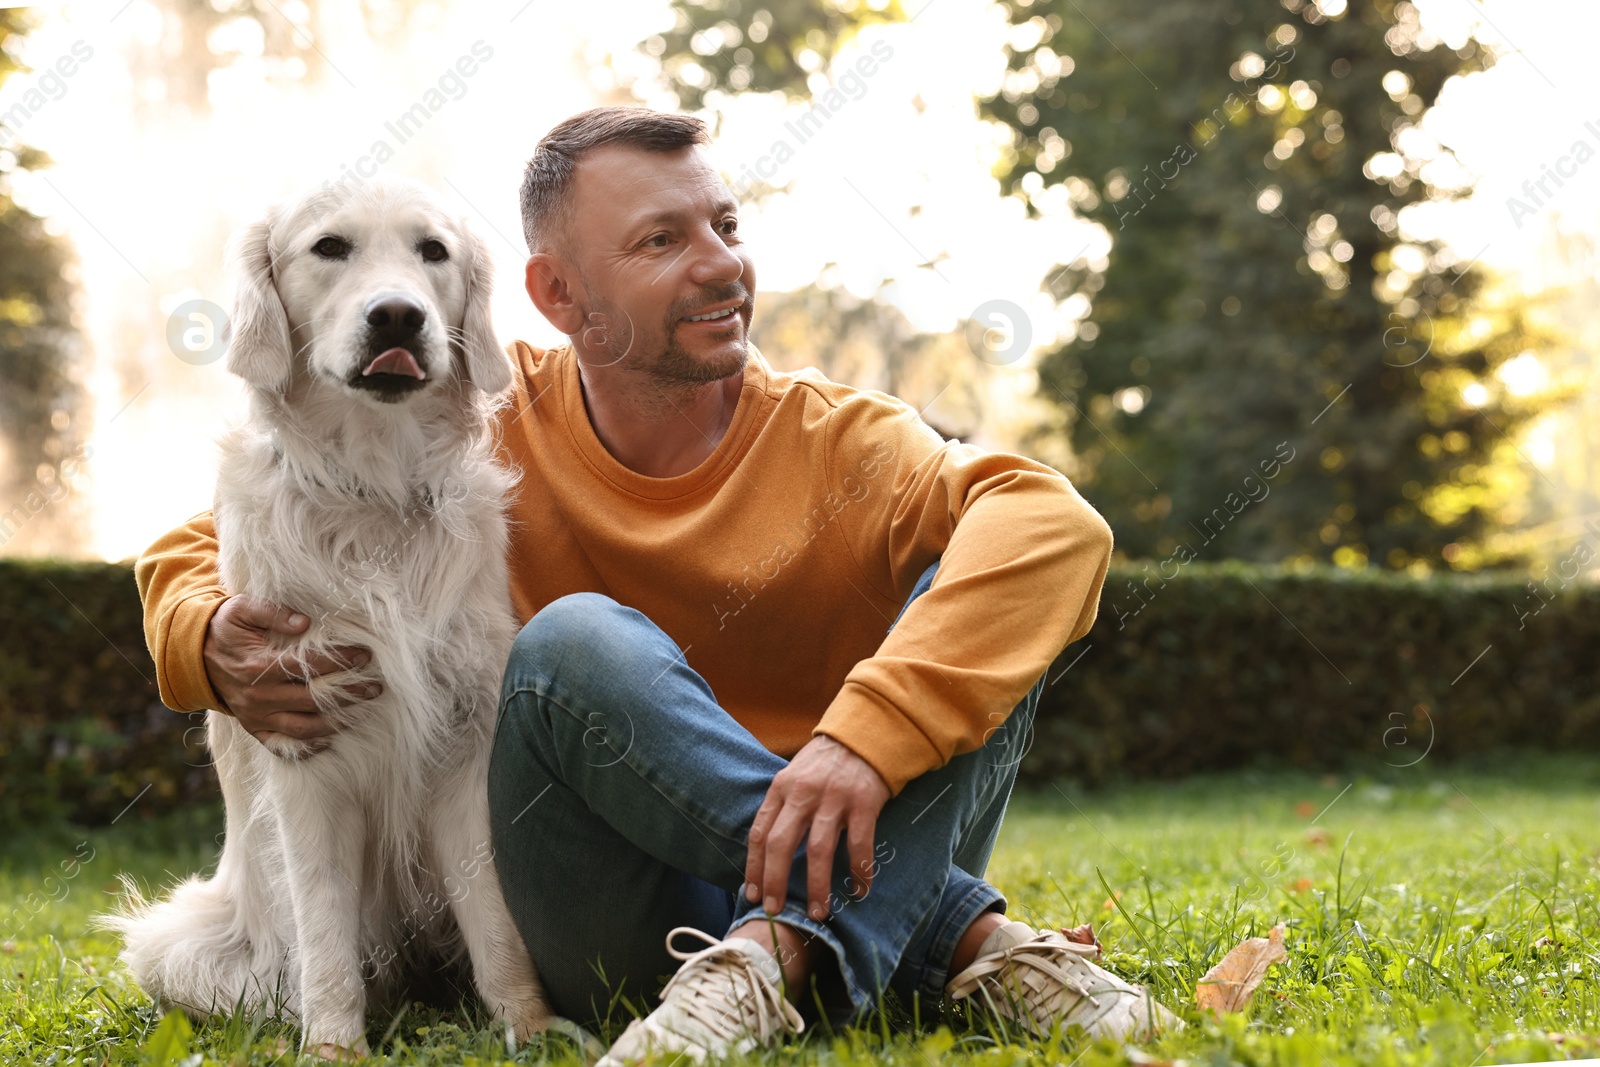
{"points": [[1562, 446], [40, 432], [198, 37], [868, 343], [1251, 159], [761, 46]]}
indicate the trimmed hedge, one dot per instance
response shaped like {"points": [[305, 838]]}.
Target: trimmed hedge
{"points": [[82, 729], [1230, 665], [1222, 666]]}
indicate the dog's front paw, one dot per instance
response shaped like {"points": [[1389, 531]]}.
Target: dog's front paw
{"points": [[334, 1053], [526, 1018]]}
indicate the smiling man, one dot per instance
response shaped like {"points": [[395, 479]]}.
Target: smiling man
{"points": [[781, 653]]}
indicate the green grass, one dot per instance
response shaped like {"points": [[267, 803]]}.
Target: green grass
{"points": [[1435, 916]]}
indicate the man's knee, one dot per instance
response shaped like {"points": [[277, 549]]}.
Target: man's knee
{"points": [[584, 634], [572, 670], [577, 622]]}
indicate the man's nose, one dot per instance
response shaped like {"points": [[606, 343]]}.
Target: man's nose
{"points": [[713, 260]]}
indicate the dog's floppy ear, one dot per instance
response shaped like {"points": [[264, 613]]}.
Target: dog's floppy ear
{"points": [[258, 347], [484, 361]]}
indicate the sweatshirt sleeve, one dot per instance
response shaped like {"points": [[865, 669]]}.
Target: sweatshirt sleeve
{"points": [[1022, 558], [181, 590]]}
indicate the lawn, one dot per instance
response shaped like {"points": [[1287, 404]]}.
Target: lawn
{"points": [[1435, 915]]}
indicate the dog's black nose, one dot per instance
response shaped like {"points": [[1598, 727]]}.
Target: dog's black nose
{"points": [[396, 311]]}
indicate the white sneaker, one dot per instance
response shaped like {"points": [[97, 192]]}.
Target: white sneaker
{"points": [[724, 1001], [1038, 980]]}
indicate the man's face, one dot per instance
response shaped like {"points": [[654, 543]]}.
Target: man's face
{"points": [[655, 241]]}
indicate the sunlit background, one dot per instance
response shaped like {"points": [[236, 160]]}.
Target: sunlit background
{"points": [[162, 142]]}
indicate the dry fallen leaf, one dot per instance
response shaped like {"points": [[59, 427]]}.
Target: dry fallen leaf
{"points": [[1227, 986], [1083, 935]]}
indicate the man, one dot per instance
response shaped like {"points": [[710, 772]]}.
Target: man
{"points": [[708, 555]]}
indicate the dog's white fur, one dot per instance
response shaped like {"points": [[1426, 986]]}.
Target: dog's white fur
{"points": [[382, 520]]}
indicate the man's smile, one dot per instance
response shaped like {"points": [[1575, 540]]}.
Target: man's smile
{"points": [[714, 316]]}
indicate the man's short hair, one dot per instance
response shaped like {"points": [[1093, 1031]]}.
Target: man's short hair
{"points": [[547, 179]]}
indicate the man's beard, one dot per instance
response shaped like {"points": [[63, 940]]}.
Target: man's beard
{"points": [[677, 367], [620, 338]]}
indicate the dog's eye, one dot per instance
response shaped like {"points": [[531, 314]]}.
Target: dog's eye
{"points": [[332, 248], [433, 251]]}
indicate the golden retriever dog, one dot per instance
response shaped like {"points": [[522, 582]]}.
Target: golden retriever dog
{"points": [[362, 492]]}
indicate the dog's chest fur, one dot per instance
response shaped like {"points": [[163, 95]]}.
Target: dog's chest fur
{"points": [[420, 583]]}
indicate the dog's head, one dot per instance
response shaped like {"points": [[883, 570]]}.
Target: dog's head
{"points": [[376, 291]]}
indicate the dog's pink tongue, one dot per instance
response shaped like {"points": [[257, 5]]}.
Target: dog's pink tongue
{"points": [[395, 361]]}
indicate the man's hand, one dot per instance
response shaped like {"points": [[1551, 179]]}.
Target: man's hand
{"points": [[826, 789], [255, 681]]}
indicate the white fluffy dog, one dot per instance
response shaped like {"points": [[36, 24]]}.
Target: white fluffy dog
{"points": [[361, 491]]}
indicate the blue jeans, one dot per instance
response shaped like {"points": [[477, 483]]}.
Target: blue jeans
{"points": [[621, 798]]}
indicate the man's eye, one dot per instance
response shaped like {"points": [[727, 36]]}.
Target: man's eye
{"points": [[658, 241], [433, 251], [730, 226], [332, 248]]}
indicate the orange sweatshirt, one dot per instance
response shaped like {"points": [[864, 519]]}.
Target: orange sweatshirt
{"points": [[776, 565]]}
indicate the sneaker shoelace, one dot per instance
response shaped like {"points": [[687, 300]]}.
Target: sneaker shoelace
{"points": [[1044, 980], [716, 979]]}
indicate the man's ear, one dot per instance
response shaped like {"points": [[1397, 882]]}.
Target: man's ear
{"points": [[544, 278], [483, 359], [258, 345]]}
